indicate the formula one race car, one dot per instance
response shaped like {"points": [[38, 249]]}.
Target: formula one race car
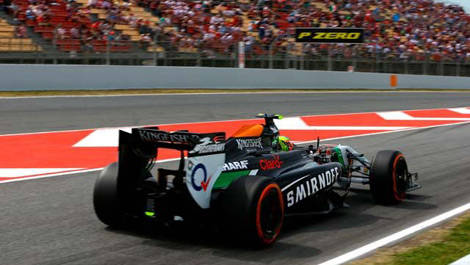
{"points": [[244, 183]]}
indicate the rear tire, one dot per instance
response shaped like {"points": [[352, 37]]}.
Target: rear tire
{"points": [[252, 209], [388, 177], [106, 199]]}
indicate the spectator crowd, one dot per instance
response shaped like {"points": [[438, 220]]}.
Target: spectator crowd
{"points": [[395, 29], [398, 29]]}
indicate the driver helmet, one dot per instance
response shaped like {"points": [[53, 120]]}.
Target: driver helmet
{"points": [[282, 143]]}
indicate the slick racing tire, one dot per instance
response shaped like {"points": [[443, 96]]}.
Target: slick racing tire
{"points": [[106, 199], [253, 210], [388, 177]]}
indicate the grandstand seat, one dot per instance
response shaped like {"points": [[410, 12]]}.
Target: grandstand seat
{"points": [[68, 42], [69, 48], [48, 35], [99, 48], [124, 48]]}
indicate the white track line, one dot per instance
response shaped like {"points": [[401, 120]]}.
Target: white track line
{"points": [[108, 137], [462, 261], [402, 116], [18, 172], [50, 175], [69, 173], [377, 133], [461, 110], [297, 123], [396, 236]]}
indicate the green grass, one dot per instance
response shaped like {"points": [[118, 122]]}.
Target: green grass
{"points": [[453, 246]]}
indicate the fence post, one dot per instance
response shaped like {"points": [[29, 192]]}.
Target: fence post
{"points": [[425, 63], [441, 67], [286, 57], [354, 54], [199, 59], [406, 64], [271, 64], [36, 53], [233, 55], [330, 63], [241, 54], [108, 49], [376, 68], [54, 43], [155, 46]]}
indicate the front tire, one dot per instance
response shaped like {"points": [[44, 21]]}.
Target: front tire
{"points": [[106, 201], [388, 177], [252, 209]]}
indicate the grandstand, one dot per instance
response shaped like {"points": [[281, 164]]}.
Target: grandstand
{"points": [[403, 30], [13, 41]]}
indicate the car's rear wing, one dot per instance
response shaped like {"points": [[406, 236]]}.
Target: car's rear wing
{"points": [[146, 141], [138, 149], [180, 140]]}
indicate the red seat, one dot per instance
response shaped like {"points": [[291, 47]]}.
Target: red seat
{"points": [[120, 48], [68, 42], [98, 42], [57, 19], [70, 24], [48, 35], [30, 22], [60, 13], [21, 16], [69, 48], [99, 48], [40, 29]]}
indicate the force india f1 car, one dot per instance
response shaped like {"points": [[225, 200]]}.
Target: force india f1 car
{"points": [[243, 182]]}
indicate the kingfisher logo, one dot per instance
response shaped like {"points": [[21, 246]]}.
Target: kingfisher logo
{"points": [[161, 136], [199, 179]]}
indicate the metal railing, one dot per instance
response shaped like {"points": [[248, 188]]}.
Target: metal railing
{"points": [[289, 55], [11, 44]]}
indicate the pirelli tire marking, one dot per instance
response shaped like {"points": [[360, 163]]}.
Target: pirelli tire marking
{"points": [[330, 35], [309, 185]]}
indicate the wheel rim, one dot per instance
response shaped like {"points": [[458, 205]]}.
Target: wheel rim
{"points": [[269, 214], [400, 173]]}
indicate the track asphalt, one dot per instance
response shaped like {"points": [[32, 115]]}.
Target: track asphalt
{"points": [[67, 113], [51, 221]]}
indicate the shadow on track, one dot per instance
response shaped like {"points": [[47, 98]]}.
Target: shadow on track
{"points": [[297, 242], [191, 238]]}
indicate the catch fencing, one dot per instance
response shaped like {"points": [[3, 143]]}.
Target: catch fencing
{"points": [[275, 55]]}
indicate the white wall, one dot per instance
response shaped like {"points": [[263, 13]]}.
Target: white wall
{"points": [[67, 77]]}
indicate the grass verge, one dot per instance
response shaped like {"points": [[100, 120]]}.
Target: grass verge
{"points": [[441, 245]]}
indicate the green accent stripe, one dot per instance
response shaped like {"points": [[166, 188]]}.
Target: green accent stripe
{"points": [[226, 178], [340, 156]]}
